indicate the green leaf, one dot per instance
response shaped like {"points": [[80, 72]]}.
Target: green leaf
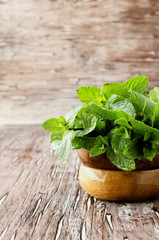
{"points": [[105, 114], [115, 88], [142, 104], [115, 98], [86, 123], [70, 116], [149, 151], [140, 129], [121, 131], [54, 125], [148, 133], [83, 142], [97, 150], [65, 147], [138, 84], [147, 136], [134, 149], [154, 94], [118, 143], [155, 118], [125, 106], [121, 161], [120, 103], [55, 145], [96, 145], [156, 144], [100, 127], [88, 94], [110, 114], [63, 120], [56, 136], [100, 146], [122, 122]]}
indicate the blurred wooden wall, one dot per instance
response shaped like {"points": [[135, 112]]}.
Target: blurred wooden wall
{"points": [[49, 48]]}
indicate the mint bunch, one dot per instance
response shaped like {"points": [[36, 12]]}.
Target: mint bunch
{"points": [[120, 119]]}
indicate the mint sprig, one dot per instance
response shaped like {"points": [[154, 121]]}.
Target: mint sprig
{"points": [[120, 119]]}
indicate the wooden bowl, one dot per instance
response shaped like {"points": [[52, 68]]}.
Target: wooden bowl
{"points": [[103, 162], [116, 185]]}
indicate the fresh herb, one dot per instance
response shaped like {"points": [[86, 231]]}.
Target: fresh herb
{"points": [[120, 119]]}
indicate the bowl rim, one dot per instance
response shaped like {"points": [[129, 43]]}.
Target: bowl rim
{"points": [[122, 171]]}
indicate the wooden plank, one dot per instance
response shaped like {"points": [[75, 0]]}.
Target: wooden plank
{"points": [[39, 199], [49, 49]]}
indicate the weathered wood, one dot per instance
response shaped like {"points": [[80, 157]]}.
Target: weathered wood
{"points": [[39, 199], [50, 48]]}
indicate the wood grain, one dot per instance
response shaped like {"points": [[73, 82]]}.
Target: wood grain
{"points": [[48, 49], [120, 186], [39, 199]]}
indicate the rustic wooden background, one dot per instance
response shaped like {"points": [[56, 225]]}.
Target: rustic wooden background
{"points": [[48, 49]]}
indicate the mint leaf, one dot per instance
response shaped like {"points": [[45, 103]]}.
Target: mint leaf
{"points": [[149, 151], [155, 119], [115, 88], [147, 136], [140, 129], [54, 125], [105, 114], [156, 144], [96, 145], [148, 133], [121, 161], [88, 94], [70, 116], [97, 150], [65, 147], [107, 122], [100, 146], [83, 142], [154, 94], [121, 131], [138, 84], [122, 122], [134, 149], [86, 123], [125, 106], [56, 136], [142, 104], [120, 103], [55, 145], [100, 127], [118, 143], [62, 120]]}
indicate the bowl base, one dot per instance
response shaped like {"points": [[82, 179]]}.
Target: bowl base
{"points": [[116, 185]]}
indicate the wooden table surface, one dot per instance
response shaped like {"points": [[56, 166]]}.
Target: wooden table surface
{"points": [[42, 200], [48, 49]]}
